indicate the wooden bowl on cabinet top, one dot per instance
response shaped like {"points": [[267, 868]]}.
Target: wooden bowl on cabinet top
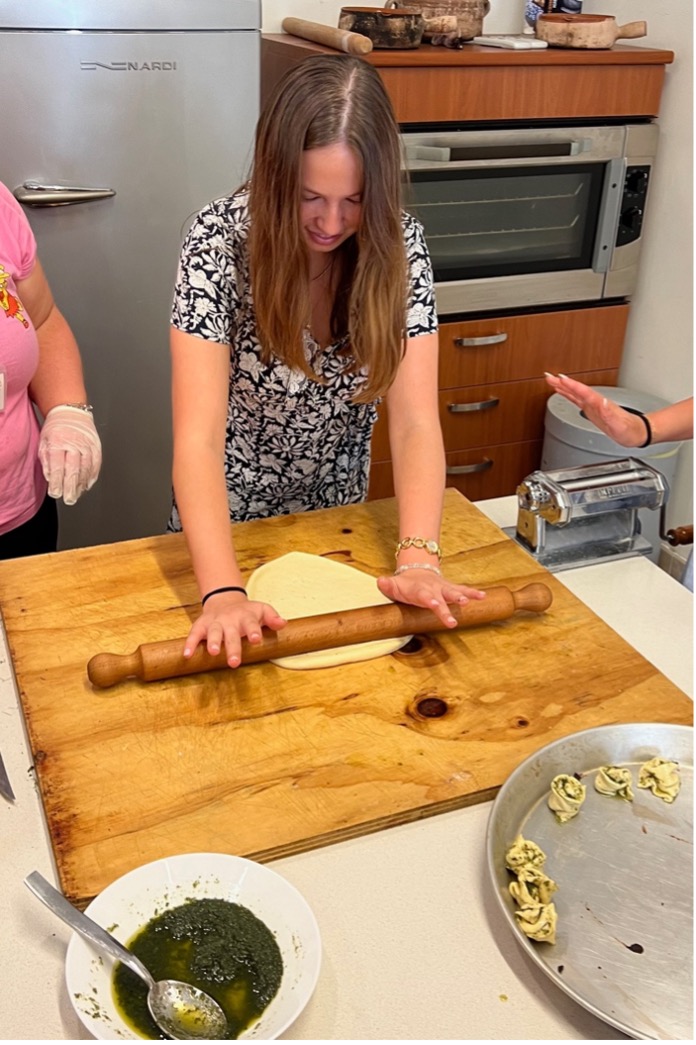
{"points": [[594, 32]]}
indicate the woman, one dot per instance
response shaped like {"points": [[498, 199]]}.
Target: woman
{"points": [[301, 300], [39, 367]]}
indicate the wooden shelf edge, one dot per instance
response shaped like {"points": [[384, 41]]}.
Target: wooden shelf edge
{"points": [[427, 56]]}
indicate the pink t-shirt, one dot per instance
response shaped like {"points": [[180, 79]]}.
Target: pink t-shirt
{"points": [[22, 485]]}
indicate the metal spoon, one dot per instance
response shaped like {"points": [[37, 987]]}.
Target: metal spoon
{"points": [[183, 1012]]}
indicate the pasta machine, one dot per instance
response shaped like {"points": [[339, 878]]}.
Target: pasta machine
{"points": [[587, 514]]}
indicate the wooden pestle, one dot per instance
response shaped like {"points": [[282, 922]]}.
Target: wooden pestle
{"points": [[160, 660]]}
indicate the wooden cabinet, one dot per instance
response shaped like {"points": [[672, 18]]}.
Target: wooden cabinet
{"points": [[493, 393], [492, 390], [437, 84]]}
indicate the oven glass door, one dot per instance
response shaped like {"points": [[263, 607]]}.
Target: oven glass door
{"points": [[508, 220]]}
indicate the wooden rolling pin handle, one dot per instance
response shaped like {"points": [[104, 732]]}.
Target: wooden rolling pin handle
{"points": [[632, 30], [153, 661], [535, 597], [160, 660], [340, 39]]}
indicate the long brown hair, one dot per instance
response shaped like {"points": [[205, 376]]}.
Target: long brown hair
{"points": [[327, 100]]}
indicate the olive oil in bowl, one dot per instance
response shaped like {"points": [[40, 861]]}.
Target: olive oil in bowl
{"points": [[213, 944]]}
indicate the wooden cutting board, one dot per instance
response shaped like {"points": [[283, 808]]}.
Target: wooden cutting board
{"points": [[263, 762]]}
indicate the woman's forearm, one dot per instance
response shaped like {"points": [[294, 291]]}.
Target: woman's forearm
{"points": [[673, 422], [418, 464], [201, 498]]}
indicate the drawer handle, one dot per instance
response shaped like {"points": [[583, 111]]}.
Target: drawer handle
{"points": [[490, 339], [468, 408], [469, 469]]}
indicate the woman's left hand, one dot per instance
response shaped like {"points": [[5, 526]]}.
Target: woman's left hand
{"points": [[430, 590]]}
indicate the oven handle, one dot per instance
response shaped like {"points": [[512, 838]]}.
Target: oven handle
{"points": [[489, 339], [435, 154], [469, 469], [466, 408], [609, 214]]}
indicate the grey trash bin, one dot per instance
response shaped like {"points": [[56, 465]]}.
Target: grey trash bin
{"points": [[570, 439]]}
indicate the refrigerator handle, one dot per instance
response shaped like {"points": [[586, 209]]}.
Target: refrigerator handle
{"points": [[33, 194]]}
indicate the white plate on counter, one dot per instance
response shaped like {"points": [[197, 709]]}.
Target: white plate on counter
{"points": [[624, 870]]}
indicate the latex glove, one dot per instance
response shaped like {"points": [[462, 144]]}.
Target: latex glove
{"points": [[70, 452]]}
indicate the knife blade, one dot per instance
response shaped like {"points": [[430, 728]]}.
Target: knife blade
{"points": [[5, 785]]}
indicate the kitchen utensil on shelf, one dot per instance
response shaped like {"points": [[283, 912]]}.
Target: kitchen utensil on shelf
{"points": [[5, 785], [182, 1011], [389, 28], [589, 31], [160, 660], [328, 35]]}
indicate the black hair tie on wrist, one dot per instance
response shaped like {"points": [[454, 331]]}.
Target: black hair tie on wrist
{"points": [[219, 591], [648, 426]]}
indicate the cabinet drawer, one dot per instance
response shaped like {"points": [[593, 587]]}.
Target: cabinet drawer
{"points": [[506, 412], [492, 471], [512, 348], [489, 471], [502, 412]]}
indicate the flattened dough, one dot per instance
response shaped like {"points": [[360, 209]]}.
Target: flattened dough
{"points": [[302, 585]]}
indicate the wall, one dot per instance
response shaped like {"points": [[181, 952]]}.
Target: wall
{"points": [[658, 356]]}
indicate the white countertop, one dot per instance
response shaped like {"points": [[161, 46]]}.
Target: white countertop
{"points": [[414, 945]]}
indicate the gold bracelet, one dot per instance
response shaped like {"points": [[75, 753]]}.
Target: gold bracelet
{"points": [[431, 547]]}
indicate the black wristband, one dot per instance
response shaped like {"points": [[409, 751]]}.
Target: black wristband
{"points": [[648, 426], [219, 591]]}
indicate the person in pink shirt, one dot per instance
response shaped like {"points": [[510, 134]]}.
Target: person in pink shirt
{"points": [[40, 377]]}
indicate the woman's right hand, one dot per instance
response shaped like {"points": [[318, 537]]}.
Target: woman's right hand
{"points": [[621, 425], [228, 618]]}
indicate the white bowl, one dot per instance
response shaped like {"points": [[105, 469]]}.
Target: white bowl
{"points": [[131, 901]]}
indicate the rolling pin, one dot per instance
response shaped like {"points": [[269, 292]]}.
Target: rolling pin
{"points": [[162, 660], [340, 39]]}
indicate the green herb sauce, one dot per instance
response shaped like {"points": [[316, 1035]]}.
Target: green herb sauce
{"points": [[216, 945]]}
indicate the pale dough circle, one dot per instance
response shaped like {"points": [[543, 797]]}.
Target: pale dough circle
{"points": [[303, 585]]}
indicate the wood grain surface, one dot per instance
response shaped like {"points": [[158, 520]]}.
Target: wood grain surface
{"points": [[431, 84], [263, 762]]}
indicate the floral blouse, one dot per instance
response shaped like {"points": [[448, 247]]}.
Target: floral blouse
{"points": [[292, 444]]}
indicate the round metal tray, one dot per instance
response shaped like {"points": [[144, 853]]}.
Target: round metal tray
{"points": [[624, 944]]}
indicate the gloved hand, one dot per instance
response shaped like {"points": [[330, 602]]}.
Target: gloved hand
{"points": [[70, 452]]}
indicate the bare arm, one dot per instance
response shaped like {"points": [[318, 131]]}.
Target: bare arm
{"points": [[418, 462], [58, 378], [673, 422], [200, 376], [670, 423]]}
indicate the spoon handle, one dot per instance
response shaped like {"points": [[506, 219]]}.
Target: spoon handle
{"points": [[83, 924]]}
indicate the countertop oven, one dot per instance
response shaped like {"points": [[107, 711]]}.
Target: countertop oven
{"points": [[526, 217]]}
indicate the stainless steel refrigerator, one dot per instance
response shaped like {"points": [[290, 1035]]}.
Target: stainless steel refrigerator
{"points": [[145, 110]]}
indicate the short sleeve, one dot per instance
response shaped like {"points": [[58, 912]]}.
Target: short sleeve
{"points": [[421, 317], [206, 294], [17, 243]]}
